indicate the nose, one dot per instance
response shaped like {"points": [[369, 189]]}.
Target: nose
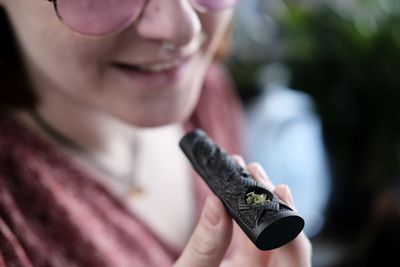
{"points": [[174, 21]]}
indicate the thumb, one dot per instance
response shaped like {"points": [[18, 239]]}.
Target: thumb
{"points": [[210, 239]]}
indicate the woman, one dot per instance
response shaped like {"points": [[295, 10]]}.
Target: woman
{"points": [[103, 91]]}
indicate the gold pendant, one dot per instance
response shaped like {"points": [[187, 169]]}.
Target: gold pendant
{"points": [[135, 192]]}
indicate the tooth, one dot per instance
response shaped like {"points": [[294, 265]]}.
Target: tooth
{"points": [[159, 67]]}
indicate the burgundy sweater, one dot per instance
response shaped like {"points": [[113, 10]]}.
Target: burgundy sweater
{"points": [[54, 214]]}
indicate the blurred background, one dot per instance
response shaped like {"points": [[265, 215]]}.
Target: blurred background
{"points": [[320, 83]]}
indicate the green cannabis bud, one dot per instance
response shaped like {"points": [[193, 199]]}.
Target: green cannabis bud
{"points": [[256, 199]]}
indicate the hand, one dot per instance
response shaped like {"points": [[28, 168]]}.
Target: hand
{"points": [[213, 234], [210, 239], [244, 253]]}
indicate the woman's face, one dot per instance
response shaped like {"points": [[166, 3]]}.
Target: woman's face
{"points": [[131, 74]]}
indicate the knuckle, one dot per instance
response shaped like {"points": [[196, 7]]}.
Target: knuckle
{"points": [[204, 247], [254, 165]]}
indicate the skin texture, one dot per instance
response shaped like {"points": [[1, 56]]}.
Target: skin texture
{"points": [[65, 66], [86, 98]]}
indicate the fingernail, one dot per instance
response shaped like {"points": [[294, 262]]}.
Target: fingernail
{"points": [[210, 213], [239, 160]]}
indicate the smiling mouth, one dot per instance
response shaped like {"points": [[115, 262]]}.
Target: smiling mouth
{"points": [[151, 68]]}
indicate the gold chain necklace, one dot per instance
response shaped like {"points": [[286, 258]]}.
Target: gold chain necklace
{"points": [[127, 180]]}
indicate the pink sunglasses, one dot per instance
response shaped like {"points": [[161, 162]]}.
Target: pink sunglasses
{"points": [[98, 18]]}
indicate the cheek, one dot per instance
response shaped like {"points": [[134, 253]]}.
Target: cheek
{"points": [[54, 56], [69, 68]]}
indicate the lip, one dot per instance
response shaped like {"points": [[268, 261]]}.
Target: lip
{"points": [[153, 79]]}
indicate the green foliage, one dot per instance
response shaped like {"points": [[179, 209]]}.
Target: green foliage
{"points": [[350, 63]]}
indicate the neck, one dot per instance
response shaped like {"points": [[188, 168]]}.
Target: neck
{"points": [[110, 142]]}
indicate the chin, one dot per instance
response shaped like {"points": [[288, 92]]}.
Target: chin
{"points": [[171, 108], [165, 119], [158, 119]]}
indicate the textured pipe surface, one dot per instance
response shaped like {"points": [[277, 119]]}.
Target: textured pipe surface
{"points": [[270, 224]]}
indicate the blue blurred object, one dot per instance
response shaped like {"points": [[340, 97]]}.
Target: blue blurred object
{"points": [[283, 133]]}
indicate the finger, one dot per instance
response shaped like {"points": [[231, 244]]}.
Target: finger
{"points": [[257, 171], [210, 239], [239, 159], [284, 193]]}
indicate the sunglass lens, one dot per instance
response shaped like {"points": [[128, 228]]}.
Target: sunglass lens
{"points": [[98, 17]]}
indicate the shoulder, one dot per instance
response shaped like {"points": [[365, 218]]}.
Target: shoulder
{"points": [[12, 252], [9, 140], [22, 151], [14, 140]]}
